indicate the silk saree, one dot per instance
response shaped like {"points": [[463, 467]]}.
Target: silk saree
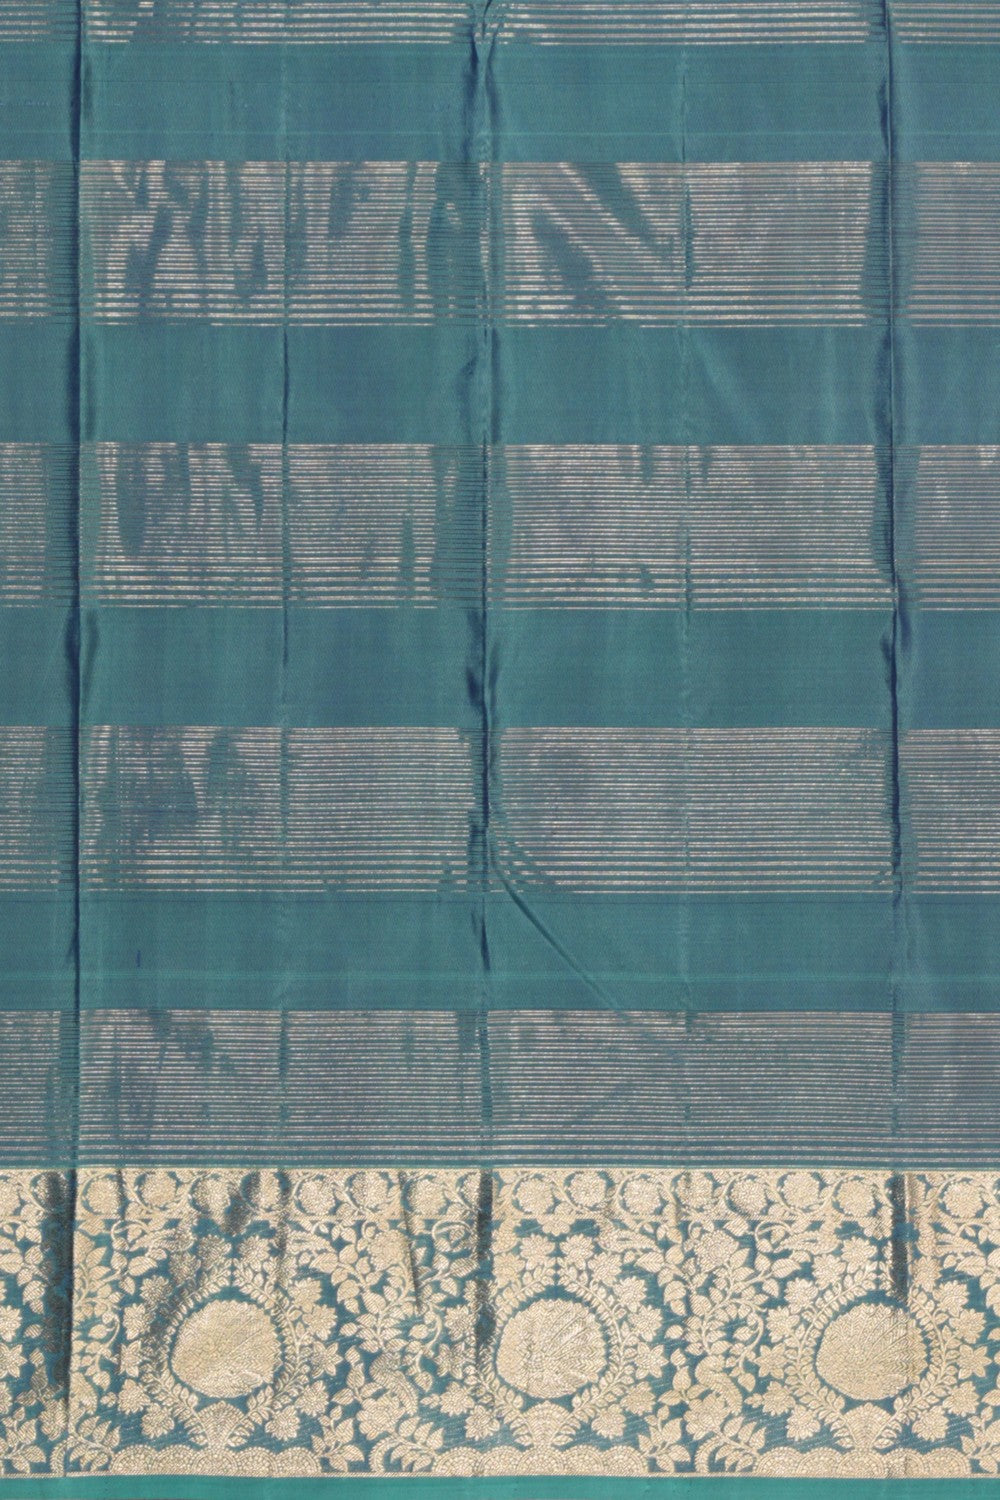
{"points": [[499, 748]]}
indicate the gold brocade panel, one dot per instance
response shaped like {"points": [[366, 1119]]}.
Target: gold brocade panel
{"points": [[524, 1321]]}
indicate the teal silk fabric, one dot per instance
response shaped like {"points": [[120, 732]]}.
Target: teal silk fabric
{"points": [[499, 639], [499, 562]]}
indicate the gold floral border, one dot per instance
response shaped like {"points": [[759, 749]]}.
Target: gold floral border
{"points": [[220, 1322]]}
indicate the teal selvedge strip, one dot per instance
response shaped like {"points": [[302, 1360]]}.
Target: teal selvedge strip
{"points": [[526, 1487]]}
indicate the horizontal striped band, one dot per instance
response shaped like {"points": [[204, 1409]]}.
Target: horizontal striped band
{"points": [[754, 1087], [572, 808], [752, 243], [579, 809], [587, 527], [638, 22]]}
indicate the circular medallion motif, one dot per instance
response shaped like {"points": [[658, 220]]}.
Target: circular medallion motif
{"points": [[226, 1348], [551, 1348], [871, 1351]]}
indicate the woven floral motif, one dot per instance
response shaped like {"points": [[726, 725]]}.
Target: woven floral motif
{"points": [[35, 1276], [528, 1321], [618, 1322]]}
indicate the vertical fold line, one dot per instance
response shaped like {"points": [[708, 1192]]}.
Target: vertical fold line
{"points": [[684, 639], [894, 648], [480, 155], [283, 944], [72, 1077], [286, 181]]}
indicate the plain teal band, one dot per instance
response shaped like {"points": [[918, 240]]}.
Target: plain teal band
{"points": [[542, 1487]]}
